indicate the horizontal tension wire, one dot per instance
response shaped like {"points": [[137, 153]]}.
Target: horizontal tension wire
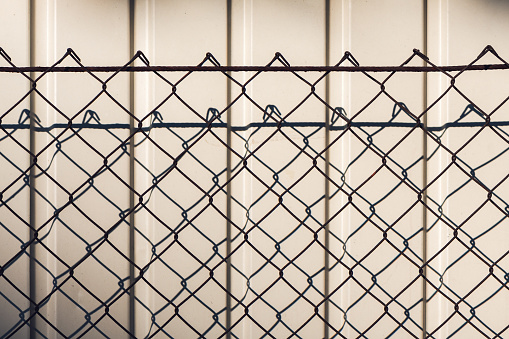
{"points": [[76, 69]]}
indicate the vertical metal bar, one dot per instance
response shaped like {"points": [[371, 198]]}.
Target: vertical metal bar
{"points": [[131, 174], [326, 287], [228, 171], [32, 249], [424, 172]]}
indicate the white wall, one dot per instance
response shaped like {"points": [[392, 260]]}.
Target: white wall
{"points": [[451, 32]]}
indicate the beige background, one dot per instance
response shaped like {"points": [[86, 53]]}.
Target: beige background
{"points": [[181, 33]]}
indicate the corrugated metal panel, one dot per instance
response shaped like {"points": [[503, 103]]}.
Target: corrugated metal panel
{"points": [[249, 33], [457, 32], [98, 32], [180, 33], [372, 32], [13, 161]]}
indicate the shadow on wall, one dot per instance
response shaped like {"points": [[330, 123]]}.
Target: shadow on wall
{"points": [[16, 314]]}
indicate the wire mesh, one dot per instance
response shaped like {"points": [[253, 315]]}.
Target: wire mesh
{"points": [[261, 208]]}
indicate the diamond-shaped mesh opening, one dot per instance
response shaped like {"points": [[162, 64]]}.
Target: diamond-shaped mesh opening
{"points": [[223, 204]]}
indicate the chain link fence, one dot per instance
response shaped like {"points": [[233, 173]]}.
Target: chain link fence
{"points": [[267, 201]]}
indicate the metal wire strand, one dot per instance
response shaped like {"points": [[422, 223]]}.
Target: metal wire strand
{"points": [[375, 266]]}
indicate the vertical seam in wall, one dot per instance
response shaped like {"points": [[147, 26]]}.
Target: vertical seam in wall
{"points": [[327, 172], [424, 172], [131, 175], [32, 263], [228, 169]]}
